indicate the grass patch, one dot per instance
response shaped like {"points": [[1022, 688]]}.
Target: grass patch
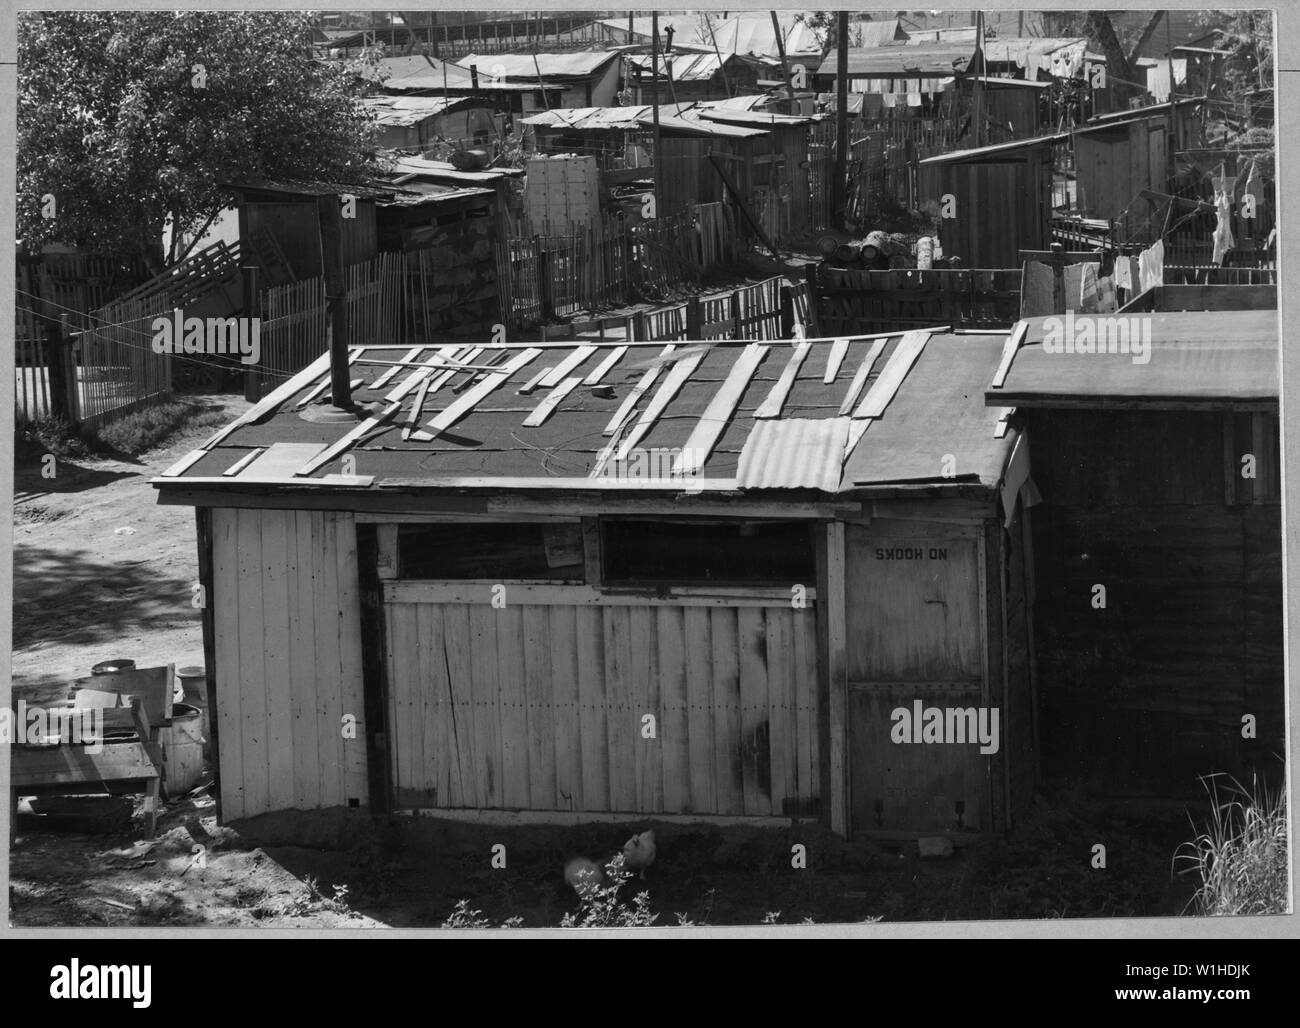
{"points": [[145, 429], [1240, 857], [53, 435]]}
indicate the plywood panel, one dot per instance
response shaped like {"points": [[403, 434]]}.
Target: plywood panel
{"points": [[912, 607], [913, 787]]}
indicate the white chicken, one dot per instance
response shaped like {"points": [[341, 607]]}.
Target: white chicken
{"points": [[639, 852]]}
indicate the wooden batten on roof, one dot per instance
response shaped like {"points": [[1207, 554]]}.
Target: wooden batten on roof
{"points": [[702, 403]]}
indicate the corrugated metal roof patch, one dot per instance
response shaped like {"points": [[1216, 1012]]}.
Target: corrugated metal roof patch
{"points": [[794, 453]]}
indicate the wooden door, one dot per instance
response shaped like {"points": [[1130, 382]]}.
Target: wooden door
{"points": [[915, 635]]}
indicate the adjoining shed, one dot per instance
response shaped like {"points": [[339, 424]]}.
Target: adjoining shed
{"points": [[1157, 545], [745, 579], [993, 201], [416, 122]]}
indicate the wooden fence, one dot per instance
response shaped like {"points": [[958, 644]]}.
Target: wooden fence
{"points": [[615, 263], [389, 299], [865, 160], [115, 367], [852, 301]]}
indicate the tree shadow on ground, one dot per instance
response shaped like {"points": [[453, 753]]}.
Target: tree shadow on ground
{"points": [[79, 597]]}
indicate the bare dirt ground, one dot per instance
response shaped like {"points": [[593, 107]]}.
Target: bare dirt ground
{"points": [[102, 571]]}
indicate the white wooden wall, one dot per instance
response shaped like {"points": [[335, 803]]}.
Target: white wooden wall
{"points": [[288, 660], [538, 705]]}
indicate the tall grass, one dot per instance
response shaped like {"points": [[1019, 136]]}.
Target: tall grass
{"points": [[1241, 855]]}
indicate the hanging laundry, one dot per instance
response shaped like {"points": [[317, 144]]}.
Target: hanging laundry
{"points": [[1081, 287], [913, 99], [1252, 199], [1122, 275], [1151, 266], [1223, 238], [1036, 290], [888, 99], [1107, 301]]}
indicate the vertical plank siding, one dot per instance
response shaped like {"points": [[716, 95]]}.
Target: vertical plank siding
{"points": [[549, 700], [287, 624]]}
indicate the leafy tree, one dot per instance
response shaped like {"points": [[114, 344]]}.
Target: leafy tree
{"points": [[132, 120]]}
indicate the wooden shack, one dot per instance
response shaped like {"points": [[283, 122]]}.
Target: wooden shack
{"points": [[1157, 610], [735, 582], [1118, 156], [992, 201], [285, 212]]}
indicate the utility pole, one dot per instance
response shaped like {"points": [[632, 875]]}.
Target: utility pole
{"points": [[654, 78], [785, 64], [977, 90], [839, 197]]}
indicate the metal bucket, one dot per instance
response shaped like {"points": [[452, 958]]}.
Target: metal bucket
{"points": [[182, 750], [111, 667], [194, 684]]}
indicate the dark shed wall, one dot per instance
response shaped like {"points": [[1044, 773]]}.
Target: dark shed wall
{"points": [[1143, 696], [1002, 206]]}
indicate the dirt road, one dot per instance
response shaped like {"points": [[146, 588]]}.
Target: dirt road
{"points": [[101, 570]]}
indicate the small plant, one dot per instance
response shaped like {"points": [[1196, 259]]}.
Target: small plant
{"points": [[601, 907], [772, 917], [462, 917], [54, 435], [1241, 856]]}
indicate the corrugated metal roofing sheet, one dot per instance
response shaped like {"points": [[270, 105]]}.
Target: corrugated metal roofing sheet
{"points": [[553, 66], [684, 67], [591, 119], [404, 111], [874, 33], [981, 152], [696, 127], [794, 453], [901, 59]]}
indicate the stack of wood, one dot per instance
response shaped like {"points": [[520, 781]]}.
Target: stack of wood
{"points": [[877, 251]]}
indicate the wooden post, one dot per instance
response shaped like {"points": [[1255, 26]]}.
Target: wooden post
{"points": [[252, 375], [693, 321], [785, 63], [977, 87], [654, 80], [545, 297], [203, 532], [337, 337], [834, 645], [1058, 278], [839, 192]]}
